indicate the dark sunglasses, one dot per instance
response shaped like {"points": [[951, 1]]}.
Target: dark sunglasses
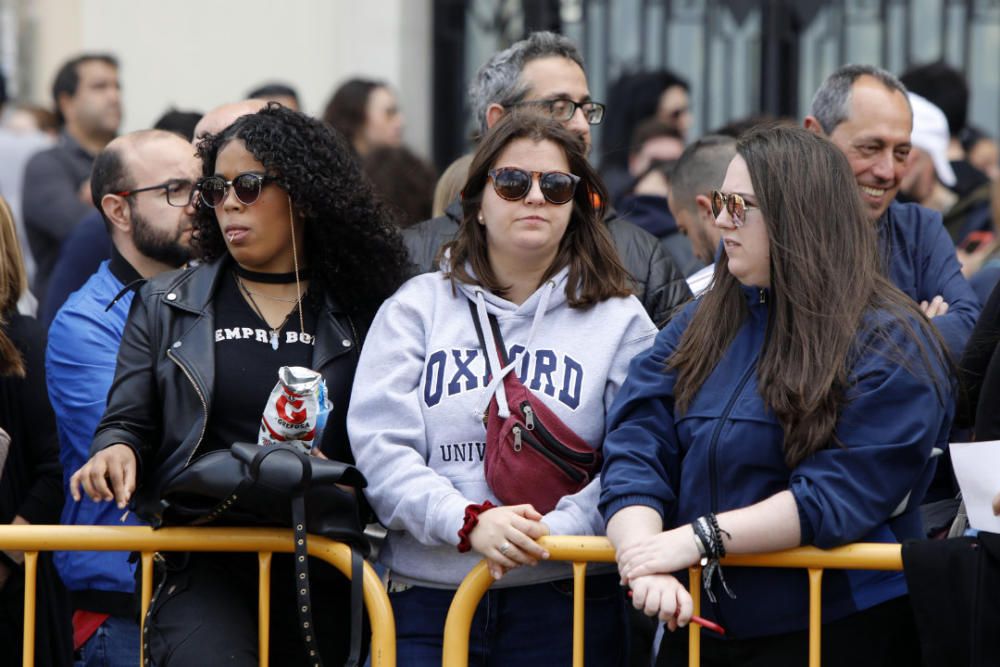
{"points": [[246, 187], [512, 184], [735, 204], [179, 191]]}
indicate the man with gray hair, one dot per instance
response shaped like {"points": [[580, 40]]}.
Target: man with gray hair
{"points": [[865, 112], [700, 169], [545, 71]]}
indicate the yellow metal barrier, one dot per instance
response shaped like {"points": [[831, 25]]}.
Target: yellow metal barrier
{"points": [[265, 541], [581, 550]]}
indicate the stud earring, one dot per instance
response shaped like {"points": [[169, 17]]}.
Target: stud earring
{"points": [[480, 217]]}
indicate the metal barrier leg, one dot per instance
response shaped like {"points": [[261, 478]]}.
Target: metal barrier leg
{"points": [[383, 647], [458, 624], [147, 596], [579, 584], [694, 630], [30, 590], [815, 615], [264, 607]]}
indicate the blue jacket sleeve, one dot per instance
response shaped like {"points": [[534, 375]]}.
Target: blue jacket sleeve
{"points": [[943, 275], [641, 450], [895, 414], [80, 365]]}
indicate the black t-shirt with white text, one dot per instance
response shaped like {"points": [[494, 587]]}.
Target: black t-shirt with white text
{"points": [[246, 365]]}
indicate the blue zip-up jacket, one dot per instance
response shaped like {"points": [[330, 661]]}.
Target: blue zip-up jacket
{"points": [[922, 263], [726, 452], [80, 365]]}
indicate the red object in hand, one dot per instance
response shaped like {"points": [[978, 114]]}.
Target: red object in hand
{"points": [[703, 622]]}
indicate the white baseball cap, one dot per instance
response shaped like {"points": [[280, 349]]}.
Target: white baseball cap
{"points": [[931, 135]]}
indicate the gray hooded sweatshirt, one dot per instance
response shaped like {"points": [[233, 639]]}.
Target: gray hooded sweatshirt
{"points": [[415, 419]]}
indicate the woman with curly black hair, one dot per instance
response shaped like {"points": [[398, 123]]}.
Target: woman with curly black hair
{"points": [[297, 257]]}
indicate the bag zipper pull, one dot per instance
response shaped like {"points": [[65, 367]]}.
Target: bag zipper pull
{"points": [[517, 438], [529, 418]]}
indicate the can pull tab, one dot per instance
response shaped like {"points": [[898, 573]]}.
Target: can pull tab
{"points": [[517, 438], [529, 418]]}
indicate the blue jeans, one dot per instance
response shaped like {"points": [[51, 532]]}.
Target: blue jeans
{"points": [[114, 644], [524, 625]]}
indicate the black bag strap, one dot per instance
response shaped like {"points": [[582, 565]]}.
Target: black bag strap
{"points": [[497, 337], [357, 607], [299, 484], [303, 597]]}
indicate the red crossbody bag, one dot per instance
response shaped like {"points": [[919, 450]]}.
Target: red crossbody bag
{"points": [[532, 456]]}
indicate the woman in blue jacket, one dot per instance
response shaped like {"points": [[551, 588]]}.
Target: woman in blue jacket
{"points": [[797, 402]]}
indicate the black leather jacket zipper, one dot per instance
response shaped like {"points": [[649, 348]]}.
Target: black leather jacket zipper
{"points": [[204, 405]]}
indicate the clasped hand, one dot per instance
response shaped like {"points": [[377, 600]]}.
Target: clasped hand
{"points": [[506, 536], [645, 567]]}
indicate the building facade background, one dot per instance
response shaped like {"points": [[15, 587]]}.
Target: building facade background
{"points": [[742, 57]]}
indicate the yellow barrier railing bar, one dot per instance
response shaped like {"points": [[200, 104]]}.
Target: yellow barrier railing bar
{"points": [[577, 549], [694, 634], [146, 596], [32, 539], [30, 587], [264, 606], [581, 550], [815, 614], [579, 590]]}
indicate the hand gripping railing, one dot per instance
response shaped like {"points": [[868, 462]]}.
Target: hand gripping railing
{"points": [[581, 550], [265, 541]]}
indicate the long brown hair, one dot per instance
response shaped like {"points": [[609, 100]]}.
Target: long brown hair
{"points": [[595, 270], [825, 278], [13, 283]]}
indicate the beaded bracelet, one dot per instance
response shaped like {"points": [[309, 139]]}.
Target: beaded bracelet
{"points": [[472, 513]]}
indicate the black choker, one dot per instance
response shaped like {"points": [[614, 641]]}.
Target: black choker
{"points": [[271, 278]]}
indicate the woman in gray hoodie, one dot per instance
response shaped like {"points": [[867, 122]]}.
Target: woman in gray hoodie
{"points": [[536, 274]]}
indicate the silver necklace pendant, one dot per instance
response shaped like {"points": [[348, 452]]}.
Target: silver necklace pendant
{"points": [[274, 339]]}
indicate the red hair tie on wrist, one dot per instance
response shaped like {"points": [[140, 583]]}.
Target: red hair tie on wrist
{"points": [[472, 513]]}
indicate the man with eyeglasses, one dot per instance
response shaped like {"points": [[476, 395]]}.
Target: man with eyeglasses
{"points": [[88, 244], [143, 185], [545, 72], [700, 169], [865, 112]]}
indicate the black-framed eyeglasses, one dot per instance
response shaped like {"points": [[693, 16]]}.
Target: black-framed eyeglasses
{"points": [[563, 109], [735, 204], [180, 192], [514, 183], [246, 186]]}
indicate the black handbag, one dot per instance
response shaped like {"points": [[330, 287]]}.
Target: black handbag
{"points": [[953, 588], [279, 485]]}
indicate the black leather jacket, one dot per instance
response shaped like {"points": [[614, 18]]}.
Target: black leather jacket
{"points": [[159, 401], [659, 283]]}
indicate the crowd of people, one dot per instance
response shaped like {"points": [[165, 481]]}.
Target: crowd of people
{"points": [[756, 339]]}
